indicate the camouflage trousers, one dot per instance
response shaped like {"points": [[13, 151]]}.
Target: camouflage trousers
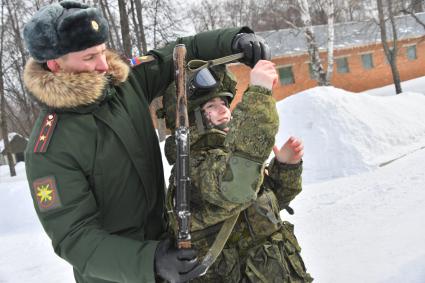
{"points": [[275, 259]]}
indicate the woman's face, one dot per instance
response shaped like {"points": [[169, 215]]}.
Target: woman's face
{"points": [[216, 111]]}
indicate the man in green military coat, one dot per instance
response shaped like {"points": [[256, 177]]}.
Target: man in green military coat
{"points": [[93, 160]]}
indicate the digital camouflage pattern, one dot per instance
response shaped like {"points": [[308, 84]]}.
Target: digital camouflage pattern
{"points": [[261, 248], [254, 125]]}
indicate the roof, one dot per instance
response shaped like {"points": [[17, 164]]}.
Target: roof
{"points": [[347, 35]]}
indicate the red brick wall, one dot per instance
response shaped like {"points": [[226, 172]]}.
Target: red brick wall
{"points": [[358, 79]]}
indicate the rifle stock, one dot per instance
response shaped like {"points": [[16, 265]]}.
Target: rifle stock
{"points": [[182, 199]]}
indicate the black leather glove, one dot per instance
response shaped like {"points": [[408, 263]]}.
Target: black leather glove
{"points": [[253, 46], [174, 264]]}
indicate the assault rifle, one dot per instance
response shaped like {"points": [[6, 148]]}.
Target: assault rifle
{"points": [[182, 198]]}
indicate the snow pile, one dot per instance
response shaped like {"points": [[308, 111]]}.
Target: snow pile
{"points": [[349, 133]]}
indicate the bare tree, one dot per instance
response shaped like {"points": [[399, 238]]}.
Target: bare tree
{"points": [[317, 11], [3, 118], [138, 29], [125, 28], [260, 15], [141, 34], [331, 38], [412, 7], [313, 50], [111, 41], [109, 15], [206, 15], [22, 110], [390, 53]]}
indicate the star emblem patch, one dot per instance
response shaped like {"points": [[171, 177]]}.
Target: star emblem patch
{"points": [[46, 193]]}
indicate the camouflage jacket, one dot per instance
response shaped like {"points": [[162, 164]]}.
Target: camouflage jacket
{"points": [[250, 139]]}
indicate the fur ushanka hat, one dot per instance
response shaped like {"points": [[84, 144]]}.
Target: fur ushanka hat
{"points": [[64, 27]]}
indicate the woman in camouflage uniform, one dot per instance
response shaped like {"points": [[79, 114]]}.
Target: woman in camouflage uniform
{"points": [[229, 176]]}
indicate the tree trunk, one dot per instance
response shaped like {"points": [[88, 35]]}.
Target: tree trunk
{"points": [[4, 131], [155, 24], [313, 50], [136, 27], [125, 28], [331, 37], [3, 118], [113, 24], [390, 54], [111, 42], [394, 68], [141, 26]]}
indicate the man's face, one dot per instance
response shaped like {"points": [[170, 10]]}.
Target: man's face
{"points": [[92, 59], [216, 111]]}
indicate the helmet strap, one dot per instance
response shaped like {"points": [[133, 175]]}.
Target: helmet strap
{"points": [[222, 126]]}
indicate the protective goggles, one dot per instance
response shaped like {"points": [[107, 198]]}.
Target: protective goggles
{"points": [[202, 81]]}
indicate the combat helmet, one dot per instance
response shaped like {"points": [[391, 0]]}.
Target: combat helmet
{"points": [[225, 86]]}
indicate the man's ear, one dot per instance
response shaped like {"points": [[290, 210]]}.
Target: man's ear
{"points": [[53, 65]]}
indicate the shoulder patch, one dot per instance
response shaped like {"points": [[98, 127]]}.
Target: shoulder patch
{"points": [[46, 132], [46, 193], [141, 59]]}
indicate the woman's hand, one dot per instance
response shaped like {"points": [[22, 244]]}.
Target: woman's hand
{"points": [[291, 152], [264, 74]]}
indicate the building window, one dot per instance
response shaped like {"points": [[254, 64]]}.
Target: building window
{"points": [[367, 61], [286, 75], [411, 52], [342, 65]]}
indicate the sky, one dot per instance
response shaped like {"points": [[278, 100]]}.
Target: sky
{"points": [[358, 219]]}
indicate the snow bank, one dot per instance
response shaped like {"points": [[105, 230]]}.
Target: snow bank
{"points": [[348, 133]]}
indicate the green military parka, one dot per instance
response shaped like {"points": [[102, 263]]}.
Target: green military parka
{"points": [[94, 165]]}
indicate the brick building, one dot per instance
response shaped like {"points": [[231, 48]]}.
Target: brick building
{"points": [[359, 64]]}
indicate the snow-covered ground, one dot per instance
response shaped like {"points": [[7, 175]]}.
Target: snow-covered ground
{"points": [[25, 251], [359, 218]]}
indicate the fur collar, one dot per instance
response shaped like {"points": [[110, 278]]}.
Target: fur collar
{"points": [[68, 90]]}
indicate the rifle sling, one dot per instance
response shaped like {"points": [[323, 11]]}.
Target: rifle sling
{"points": [[218, 244], [197, 64]]}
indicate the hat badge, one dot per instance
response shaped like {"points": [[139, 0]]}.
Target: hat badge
{"points": [[95, 25]]}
